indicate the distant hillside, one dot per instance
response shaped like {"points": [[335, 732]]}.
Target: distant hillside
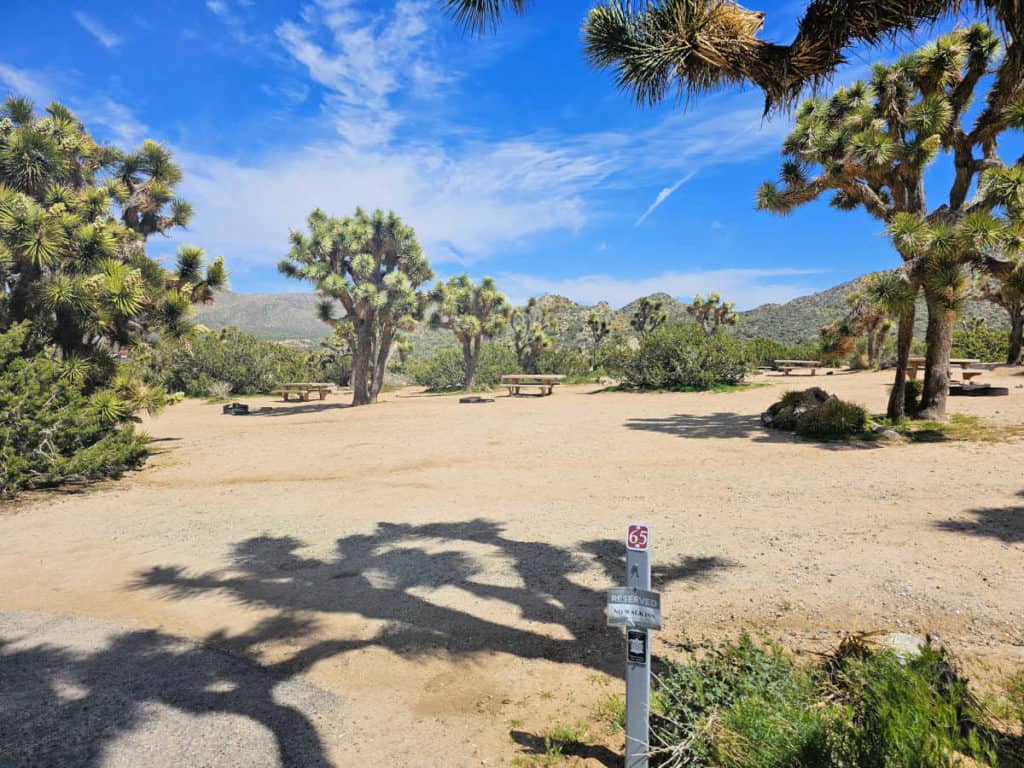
{"points": [[291, 317]]}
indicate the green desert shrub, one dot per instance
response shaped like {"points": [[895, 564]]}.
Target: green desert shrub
{"points": [[751, 705], [978, 340], [444, 371], [53, 428], [679, 356], [763, 351], [228, 362], [564, 360], [833, 419]]}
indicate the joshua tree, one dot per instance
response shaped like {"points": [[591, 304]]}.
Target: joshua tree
{"points": [[372, 265], [649, 316], [712, 313], [870, 314], [695, 47], [72, 241], [869, 145], [600, 325], [196, 278], [530, 337], [1008, 293], [473, 313]]}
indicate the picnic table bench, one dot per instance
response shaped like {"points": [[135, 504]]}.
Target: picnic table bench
{"points": [[545, 382], [304, 389], [788, 365], [963, 363]]}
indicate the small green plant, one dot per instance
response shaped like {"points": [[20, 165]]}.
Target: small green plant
{"points": [[832, 420], [561, 740], [751, 705], [612, 711]]}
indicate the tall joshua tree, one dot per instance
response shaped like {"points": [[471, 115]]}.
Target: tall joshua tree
{"points": [[372, 264], [712, 313], [1008, 293], [600, 325], [473, 313], [869, 145]]}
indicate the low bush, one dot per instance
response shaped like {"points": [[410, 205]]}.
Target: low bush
{"points": [[54, 428], [835, 418], [976, 339], [751, 705], [763, 351], [678, 356], [444, 371], [230, 362]]}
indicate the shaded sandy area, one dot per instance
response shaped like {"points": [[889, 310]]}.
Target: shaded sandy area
{"points": [[437, 571]]}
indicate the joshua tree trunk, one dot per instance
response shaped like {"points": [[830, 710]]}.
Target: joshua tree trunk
{"points": [[361, 366], [1016, 337], [939, 341], [897, 410], [380, 361], [471, 355]]}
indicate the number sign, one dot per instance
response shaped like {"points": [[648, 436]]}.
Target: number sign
{"points": [[638, 537]]}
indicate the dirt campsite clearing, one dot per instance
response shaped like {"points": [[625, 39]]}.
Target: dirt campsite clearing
{"points": [[421, 583]]}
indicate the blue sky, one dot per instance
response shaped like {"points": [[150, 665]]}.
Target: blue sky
{"points": [[508, 154]]}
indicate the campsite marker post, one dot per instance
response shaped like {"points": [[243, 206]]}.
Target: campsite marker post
{"points": [[638, 609]]}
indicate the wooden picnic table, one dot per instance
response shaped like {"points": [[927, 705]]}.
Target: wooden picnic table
{"points": [[915, 363], [544, 382], [789, 365], [304, 389]]}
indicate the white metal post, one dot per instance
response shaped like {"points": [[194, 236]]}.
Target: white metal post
{"points": [[638, 673]]}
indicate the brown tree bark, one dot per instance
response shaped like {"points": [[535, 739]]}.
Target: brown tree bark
{"points": [[471, 357], [939, 341], [379, 361], [1016, 337], [897, 409], [362, 365]]}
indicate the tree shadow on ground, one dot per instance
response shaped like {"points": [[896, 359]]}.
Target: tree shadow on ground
{"points": [[68, 707], [1003, 523], [387, 576], [295, 409], [725, 425], [535, 744], [65, 706]]}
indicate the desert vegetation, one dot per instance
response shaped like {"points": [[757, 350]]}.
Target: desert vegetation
{"points": [[79, 294]]}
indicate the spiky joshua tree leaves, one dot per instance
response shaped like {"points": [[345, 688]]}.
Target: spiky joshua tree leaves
{"points": [[885, 295], [657, 48], [530, 334], [869, 146], [648, 316], [74, 217], [473, 313], [371, 264], [712, 313]]}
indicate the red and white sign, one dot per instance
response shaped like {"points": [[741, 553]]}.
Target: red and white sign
{"points": [[638, 537]]}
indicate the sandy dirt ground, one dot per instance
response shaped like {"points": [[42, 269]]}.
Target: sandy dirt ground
{"points": [[437, 571]]}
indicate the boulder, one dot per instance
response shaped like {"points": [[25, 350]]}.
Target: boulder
{"points": [[784, 414]]}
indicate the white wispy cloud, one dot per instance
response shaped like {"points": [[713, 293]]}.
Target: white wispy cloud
{"points": [[120, 121], [368, 61], [94, 27], [747, 287], [664, 195], [21, 82]]}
